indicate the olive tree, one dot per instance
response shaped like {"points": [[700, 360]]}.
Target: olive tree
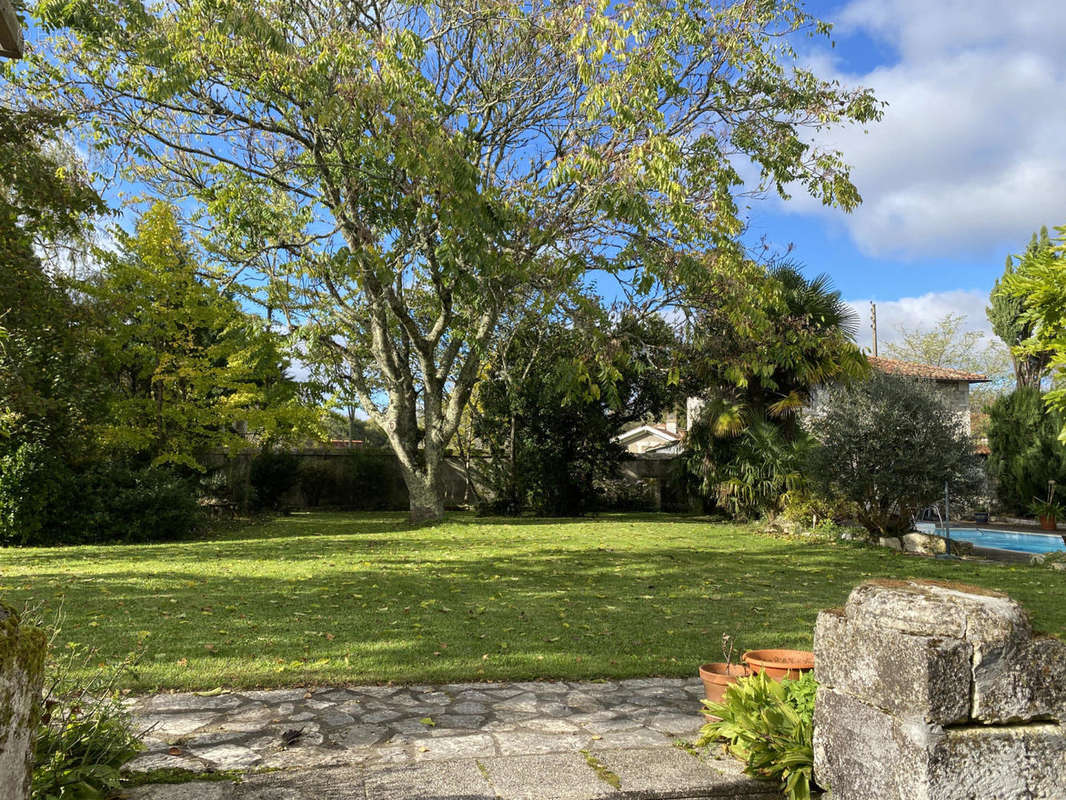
{"points": [[889, 444], [407, 180]]}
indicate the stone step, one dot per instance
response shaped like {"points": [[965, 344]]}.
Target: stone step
{"points": [[660, 773]]}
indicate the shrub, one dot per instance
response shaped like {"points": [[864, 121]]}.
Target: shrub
{"points": [[1024, 449], [46, 501], [272, 474], [366, 481], [889, 444], [624, 494], [85, 735], [749, 472], [809, 509], [317, 480], [35, 483], [769, 725]]}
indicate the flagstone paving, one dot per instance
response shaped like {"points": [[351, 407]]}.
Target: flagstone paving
{"points": [[537, 740]]}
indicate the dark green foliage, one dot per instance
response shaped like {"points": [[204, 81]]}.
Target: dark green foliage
{"points": [[549, 412], [889, 444], [271, 475], [769, 725], [749, 473], [369, 481], [1025, 449], [46, 501], [621, 494], [359, 479], [317, 481]]}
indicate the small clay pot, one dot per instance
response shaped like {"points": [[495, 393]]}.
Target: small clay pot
{"points": [[717, 677], [1048, 523], [778, 664]]}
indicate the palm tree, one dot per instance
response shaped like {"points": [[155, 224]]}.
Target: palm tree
{"points": [[760, 349]]}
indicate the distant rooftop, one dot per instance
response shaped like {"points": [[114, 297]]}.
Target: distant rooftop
{"points": [[894, 366]]}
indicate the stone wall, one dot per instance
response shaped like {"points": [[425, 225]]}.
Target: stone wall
{"points": [[21, 675], [931, 691], [360, 479]]}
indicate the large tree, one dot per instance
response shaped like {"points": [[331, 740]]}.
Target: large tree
{"points": [[403, 179], [189, 370], [1006, 311], [1039, 283]]}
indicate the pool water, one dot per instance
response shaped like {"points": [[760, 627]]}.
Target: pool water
{"points": [[1008, 540]]}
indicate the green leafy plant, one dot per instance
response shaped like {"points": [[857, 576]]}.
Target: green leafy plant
{"points": [[1047, 507], [769, 725], [85, 735]]}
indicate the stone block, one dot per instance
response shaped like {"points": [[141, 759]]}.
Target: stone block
{"points": [[1020, 682], [937, 692], [930, 608], [898, 672], [861, 752], [998, 763], [22, 650]]}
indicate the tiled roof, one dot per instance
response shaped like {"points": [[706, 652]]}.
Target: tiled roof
{"points": [[896, 367]]}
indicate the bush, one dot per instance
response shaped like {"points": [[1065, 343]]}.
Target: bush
{"points": [[747, 473], [1025, 451], [366, 481], [85, 735], [808, 509], [46, 501], [889, 444], [271, 475], [34, 485], [317, 480], [769, 725], [623, 494]]}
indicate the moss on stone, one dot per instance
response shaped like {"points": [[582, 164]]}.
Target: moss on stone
{"points": [[172, 775], [601, 770]]}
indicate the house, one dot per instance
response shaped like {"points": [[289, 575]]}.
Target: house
{"points": [[654, 440], [953, 385]]}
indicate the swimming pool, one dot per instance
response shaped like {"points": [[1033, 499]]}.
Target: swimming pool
{"points": [[1008, 540]]}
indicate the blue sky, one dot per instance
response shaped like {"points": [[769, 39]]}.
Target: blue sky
{"points": [[968, 162]]}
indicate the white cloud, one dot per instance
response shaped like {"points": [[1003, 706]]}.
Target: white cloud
{"points": [[969, 153], [920, 313]]}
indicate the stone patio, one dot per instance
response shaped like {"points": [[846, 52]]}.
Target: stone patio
{"points": [[570, 741]]}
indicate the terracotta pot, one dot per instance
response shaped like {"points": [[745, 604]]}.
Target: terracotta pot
{"points": [[717, 676], [778, 664], [1048, 523]]}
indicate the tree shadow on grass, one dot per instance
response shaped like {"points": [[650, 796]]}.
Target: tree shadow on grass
{"points": [[406, 606]]}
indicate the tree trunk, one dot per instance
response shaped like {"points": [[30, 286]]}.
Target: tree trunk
{"points": [[425, 493]]}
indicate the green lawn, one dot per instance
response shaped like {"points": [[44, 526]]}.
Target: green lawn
{"points": [[353, 598]]}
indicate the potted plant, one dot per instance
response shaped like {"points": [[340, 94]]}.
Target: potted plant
{"points": [[717, 675], [780, 664], [980, 517], [1047, 510]]}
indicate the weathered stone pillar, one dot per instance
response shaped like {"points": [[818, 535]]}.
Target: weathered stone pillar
{"points": [[21, 675], [935, 691]]}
